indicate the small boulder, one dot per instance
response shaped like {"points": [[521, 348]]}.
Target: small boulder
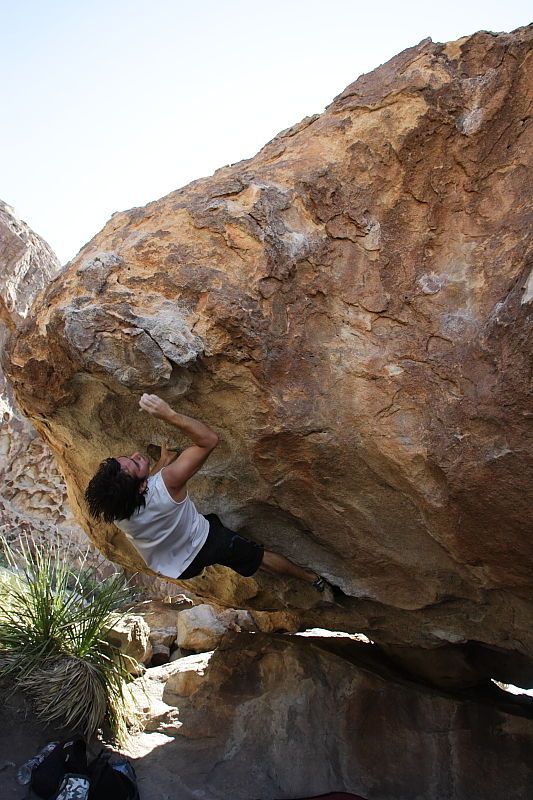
{"points": [[188, 675], [131, 635], [200, 629], [161, 655], [163, 636], [276, 621]]}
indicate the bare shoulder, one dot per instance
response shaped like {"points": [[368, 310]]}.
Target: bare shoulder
{"points": [[187, 464], [176, 488]]}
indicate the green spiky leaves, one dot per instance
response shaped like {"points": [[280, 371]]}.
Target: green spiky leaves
{"points": [[52, 639]]}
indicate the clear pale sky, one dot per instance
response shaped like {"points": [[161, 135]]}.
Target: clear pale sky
{"points": [[108, 105]]}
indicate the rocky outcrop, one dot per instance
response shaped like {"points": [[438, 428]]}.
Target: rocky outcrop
{"points": [[157, 632], [131, 635], [28, 264], [349, 310], [202, 628], [33, 500], [272, 718]]}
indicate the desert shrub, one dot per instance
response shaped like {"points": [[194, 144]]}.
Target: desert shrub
{"points": [[53, 620]]}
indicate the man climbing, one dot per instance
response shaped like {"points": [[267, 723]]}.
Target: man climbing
{"points": [[156, 513]]}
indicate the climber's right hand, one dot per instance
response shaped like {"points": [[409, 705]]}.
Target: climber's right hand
{"points": [[155, 406]]}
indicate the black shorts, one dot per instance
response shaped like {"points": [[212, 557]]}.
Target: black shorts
{"points": [[225, 547]]}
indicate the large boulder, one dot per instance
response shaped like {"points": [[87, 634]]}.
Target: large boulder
{"points": [[273, 718], [349, 310]]}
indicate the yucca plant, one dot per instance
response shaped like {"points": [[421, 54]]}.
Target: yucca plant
{"points": [[52, 640]]}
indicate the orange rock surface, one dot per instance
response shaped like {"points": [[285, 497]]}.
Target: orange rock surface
{"points": [[349, 311]]}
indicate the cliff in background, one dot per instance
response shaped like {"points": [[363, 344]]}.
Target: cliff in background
{"points": [[33, 498]]}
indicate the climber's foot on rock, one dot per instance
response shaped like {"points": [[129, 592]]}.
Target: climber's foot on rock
{"points": [[323, 588], [319, 584], [329, 593]]}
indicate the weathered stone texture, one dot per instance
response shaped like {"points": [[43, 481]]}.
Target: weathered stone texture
{"points": [[33, 498], [131, 635], [28, 265], [273, 718], [202, 627], [349, 310]]}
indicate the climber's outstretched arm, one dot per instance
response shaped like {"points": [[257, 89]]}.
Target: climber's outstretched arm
{"points": [[205, 440]]}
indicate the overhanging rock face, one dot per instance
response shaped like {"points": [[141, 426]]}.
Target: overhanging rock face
{"points": [[349, 310]]}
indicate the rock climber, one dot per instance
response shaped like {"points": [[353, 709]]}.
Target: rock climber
{"points": [[155, 511]]}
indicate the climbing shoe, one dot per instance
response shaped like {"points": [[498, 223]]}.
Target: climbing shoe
{"points": [[320, 584]]}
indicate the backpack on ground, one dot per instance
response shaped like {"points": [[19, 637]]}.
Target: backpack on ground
{"points": [[66, 758], [65, 774], [112, 777]]}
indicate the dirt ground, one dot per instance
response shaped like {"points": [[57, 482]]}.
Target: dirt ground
{"points": [[21, 736]]}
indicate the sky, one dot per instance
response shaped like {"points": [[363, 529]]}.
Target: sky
{"points": [[109, 105]]}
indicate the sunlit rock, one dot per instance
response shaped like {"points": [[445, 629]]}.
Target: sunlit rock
{"points": [[275, 717], [131, 635], [349, 311]]}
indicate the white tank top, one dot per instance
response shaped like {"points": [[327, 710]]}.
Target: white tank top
{"points": [[167, 534]]}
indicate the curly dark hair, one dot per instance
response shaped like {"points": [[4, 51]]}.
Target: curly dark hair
{"points": [[112, 493]]}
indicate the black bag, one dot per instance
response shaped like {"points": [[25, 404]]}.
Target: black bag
{"points": [[67, 757], [112, 777], [65, 775]]}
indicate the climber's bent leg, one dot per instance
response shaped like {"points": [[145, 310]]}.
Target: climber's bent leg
{"points": [[274, 562], [224, 546]]}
